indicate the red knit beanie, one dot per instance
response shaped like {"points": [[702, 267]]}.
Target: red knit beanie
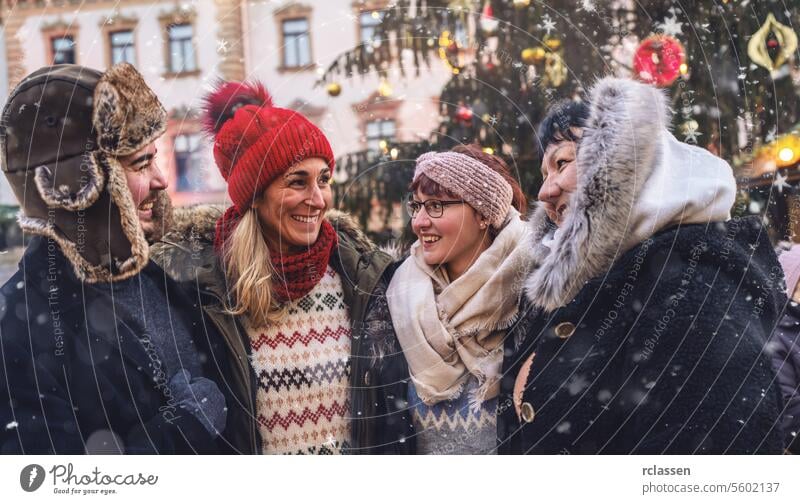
{"points": [[255, 143]]}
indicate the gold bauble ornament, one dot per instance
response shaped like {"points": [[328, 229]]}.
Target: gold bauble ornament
{"points": [[334, 89], [533, 55], [521, 4], [385, 89], [689, 126], [450, 52], [553, 43], [759, 50], [555, 71]]}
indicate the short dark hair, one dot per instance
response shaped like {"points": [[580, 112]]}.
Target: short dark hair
{"points": [[562, 116]]}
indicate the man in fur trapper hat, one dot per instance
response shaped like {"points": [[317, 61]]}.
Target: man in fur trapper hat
{"points": [[98, 354]]}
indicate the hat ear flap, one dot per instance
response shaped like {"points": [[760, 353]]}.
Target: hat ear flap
{"points": [[108, 116], [62, 196]]}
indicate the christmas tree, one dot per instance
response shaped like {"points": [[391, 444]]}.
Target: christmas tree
{"points": [[728, 66]]}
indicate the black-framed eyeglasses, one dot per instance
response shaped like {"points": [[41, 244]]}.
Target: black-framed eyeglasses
{"points": [[434, 208]]}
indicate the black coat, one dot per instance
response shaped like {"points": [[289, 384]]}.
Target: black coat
{"points": [[663, 354], [75, 378], [386, 379]]}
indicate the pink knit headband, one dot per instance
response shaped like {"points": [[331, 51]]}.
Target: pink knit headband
{"points": [[482, 188]]}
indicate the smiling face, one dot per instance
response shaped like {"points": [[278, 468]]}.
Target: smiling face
{"points": [[293, 206], [453, 240], [145, 181], [560, 175]]}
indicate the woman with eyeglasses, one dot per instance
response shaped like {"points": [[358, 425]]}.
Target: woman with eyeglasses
{"points": [[453, 299]]}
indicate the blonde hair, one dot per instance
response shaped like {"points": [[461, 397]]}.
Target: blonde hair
{"points": [[249, 269]]}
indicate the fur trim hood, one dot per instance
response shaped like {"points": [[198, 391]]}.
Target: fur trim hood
{"points": [[189, 242], [634, 179]]}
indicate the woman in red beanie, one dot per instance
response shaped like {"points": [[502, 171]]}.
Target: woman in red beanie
{"points": [[288, 283]]}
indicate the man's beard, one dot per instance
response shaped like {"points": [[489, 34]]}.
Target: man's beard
{"points": [[162, 217]]}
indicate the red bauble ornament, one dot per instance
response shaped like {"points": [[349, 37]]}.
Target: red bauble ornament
{"points": [[464, 114], [658, 60]]}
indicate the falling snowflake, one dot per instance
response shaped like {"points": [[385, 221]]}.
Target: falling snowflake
{"points": [[577, 384], [222, 46], [588, 6], [330, 441]]}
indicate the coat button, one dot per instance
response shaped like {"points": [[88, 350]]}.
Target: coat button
{"points": [[366, 378], [564, 330], [527, 413]]}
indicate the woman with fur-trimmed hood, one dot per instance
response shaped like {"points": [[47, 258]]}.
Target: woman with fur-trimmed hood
{"points": [[287, 282], [649, 307]]}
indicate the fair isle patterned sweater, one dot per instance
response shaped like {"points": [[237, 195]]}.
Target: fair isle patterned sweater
{"points": [[302, 365], [456, 427]]}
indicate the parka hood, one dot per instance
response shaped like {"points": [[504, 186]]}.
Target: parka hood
{"points": [[188, 245], [634, 180]]}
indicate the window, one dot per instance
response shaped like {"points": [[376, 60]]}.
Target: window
{"points": [[369, 22], [122, 49], [380, 132], [181, 48], [189, 163], [296, 43], [63, 49]]}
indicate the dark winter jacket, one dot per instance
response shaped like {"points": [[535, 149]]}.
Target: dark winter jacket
{"points": [[188, 256], [785, 351], [387, 376], [74, 376], [648, 314], [663, 354]]}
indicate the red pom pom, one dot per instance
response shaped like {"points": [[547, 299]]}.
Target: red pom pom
{"points": [[221, 104]]}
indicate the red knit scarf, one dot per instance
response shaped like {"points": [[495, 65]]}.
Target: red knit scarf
{"points": [[296, 274]]}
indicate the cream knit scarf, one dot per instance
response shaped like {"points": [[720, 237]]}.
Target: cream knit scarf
{"points": [[447, 337]]}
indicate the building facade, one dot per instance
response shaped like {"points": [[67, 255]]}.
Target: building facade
{"points": [[182, 48]]}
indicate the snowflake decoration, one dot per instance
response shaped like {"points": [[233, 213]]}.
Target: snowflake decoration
{"points": [[222, 46], [691, 135], [780, 182], [671, 27], [771, 134], [492, 120], [547, 24]]}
